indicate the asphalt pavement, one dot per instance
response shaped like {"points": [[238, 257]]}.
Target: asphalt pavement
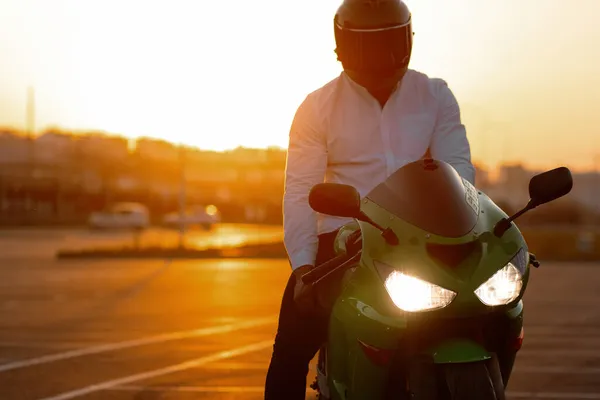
{"points": [[204, 329]]}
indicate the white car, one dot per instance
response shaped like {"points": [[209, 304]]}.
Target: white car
{"points": [[202, 216], [121, 216]]}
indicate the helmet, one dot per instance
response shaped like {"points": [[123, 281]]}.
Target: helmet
{"points": [[373, 35]]}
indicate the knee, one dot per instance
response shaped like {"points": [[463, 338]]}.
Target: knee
{"points": [[297, 350]]}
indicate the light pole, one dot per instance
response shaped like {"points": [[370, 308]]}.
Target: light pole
{"points": [[596, 184], [30, 127], [182, 196]]}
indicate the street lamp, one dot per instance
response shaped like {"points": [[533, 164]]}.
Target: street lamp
{"points": [[182, 196]]}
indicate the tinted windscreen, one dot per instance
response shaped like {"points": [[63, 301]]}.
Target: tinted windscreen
{"points": [[431, 196]]}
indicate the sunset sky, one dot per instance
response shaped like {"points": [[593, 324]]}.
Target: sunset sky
{"points": [[226, 73]]}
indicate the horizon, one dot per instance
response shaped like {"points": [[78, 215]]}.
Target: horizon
{"points": [[527, 95], [492, 170]]}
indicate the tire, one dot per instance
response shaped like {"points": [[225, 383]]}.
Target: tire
{"points": [[474, 381], [461, 381]]}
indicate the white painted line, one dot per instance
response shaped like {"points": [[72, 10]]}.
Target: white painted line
{"points": [[57, 345], [165, 337], [553, 395], [164, 371]]}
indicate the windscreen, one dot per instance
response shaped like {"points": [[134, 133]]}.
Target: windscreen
{"points": [[431, 196]]}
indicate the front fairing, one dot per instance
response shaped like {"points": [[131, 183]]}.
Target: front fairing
{"points": [[411, 256], [364, 311]]}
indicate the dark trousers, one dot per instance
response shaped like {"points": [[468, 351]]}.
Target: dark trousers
{"points": [[299, 337]]}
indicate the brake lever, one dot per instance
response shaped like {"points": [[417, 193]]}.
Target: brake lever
{"points": [[354, 242]]}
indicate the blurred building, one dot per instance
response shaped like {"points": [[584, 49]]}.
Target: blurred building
{"points": [[156, 149], [482, 177], [114, 148], [586, 190], [512, 186], [72, 175], [14, 149], [54, 148]]}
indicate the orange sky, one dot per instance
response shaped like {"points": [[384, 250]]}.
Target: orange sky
{"points": [[525, 72]]}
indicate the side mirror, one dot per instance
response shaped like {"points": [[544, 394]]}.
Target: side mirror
{"points": [[549, 186], [543, 188], [335, 199]]}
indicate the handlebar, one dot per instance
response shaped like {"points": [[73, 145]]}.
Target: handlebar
{"points": [[319, 273], [323, 269], [353, 247]]}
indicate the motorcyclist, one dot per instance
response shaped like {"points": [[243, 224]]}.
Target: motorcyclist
{"points": [[375, 117]]}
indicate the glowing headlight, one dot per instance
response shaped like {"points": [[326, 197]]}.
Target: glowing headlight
{"points": [[412, 294], [502, 288]]}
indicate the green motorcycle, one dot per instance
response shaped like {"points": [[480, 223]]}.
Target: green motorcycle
{"points": [[425, 296]]}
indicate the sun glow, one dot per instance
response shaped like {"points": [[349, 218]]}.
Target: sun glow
{"points": [[198, 73]]}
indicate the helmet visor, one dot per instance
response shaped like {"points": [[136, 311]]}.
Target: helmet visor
{"points": [[374, 49]]}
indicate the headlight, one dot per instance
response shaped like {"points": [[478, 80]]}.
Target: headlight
{"points": [[413, 294], [502, 288]]}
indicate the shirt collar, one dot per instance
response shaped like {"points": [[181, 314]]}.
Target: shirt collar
{"points": [[364, 92]]}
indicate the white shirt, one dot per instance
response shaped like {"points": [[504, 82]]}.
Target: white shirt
{"points": [[341, 134]]}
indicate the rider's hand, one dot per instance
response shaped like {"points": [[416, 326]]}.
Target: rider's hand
{"points": [[303, 293]]}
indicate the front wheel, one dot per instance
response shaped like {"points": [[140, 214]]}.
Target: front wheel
{"points": [[480, 380], [474, 381]]}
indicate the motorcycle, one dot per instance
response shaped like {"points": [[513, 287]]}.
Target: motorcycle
{"points": [[425, 296]]}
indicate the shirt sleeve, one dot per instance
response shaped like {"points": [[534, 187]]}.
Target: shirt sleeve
{"points": [[449, 142], [305, 167]]}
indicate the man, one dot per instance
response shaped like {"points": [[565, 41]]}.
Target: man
{"points": [[358, 129]]}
